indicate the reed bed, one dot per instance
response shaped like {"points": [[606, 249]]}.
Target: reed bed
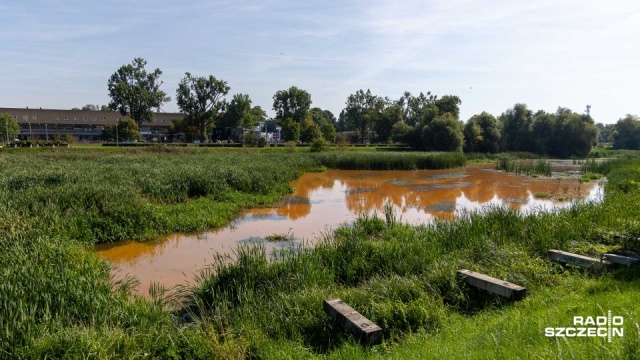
{"points": [[524, 167]]}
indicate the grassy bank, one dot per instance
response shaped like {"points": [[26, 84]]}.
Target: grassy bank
{"points": [[57, 299], [403, 278]]}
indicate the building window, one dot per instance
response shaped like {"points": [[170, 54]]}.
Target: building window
{"points": [[66, 118], [75, 118], [35, 117], [162, 120], [104, 118], [56, 117], [25, 117], [15, 117], [94, 118], [84, 118]]}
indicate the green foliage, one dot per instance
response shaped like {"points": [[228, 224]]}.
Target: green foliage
{"points": [[482, 134], [516, 126], [128, 130], [8, 127], [360, 112], [444, 133], [626, 133], [135, 92], [290, 130], [328, 132], [390, 160], [319, 144], [201, 99], [293, 103], [310, 131]]}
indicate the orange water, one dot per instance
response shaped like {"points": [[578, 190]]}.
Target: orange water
{"points": [[323, 201]]}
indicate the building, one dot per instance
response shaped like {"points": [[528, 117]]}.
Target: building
{"points": [[84, 125]]}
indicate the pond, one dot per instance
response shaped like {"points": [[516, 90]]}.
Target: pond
{"points": [[323, 201]]}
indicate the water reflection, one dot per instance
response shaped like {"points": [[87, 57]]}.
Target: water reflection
{"points": [[323, 201]]}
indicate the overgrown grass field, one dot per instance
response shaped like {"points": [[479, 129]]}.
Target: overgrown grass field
{"points": [[57, 300]]}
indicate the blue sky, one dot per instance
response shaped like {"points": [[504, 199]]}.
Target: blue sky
{"points": [[492, 54]]}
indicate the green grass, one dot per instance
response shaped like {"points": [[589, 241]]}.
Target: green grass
{"points": [[57, 300]]}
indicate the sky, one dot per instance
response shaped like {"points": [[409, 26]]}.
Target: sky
{"points": [[492, 54]]}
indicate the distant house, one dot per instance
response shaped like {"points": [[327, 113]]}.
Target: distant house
{"points": [[83, 125]]}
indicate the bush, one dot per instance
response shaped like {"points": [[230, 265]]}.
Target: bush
{"points": [[319, 144]]}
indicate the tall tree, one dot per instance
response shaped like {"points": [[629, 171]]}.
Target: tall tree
{"points": [[627, 133], [444, 133], [237, 113], [449, 104], [134, 91], [362, 109], [516, 128], [482, 133], [9, 127], [200, 98], [391, 115], [293, 103]]}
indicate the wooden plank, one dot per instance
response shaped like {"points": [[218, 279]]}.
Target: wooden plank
{"points": [[361, 327], [493, 285], [621, 259], [564, 257]]}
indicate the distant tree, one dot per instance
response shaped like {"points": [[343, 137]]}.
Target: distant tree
{"points": [[482, 133], [390, 116], [201, 99], [309, 131], [328, 132], [237, 113], [449, 104], [605, 132], [418, 110], [361, 111], [257, 115], [293, 103], [91, 107], [516, 128], [575, 134], [290, 130], [627, 133], [9, 127], [544, 140], [321, 117], [444, 133], [109, 133], [135, 92], [128, 130], [400, 131]]}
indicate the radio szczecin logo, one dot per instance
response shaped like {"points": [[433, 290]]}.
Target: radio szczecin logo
{"points": [[590, 326]]}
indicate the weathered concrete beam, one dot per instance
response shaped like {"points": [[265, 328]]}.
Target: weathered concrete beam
{"points": [[493, 285], [564, 257], [621, 259], [358, 325]]}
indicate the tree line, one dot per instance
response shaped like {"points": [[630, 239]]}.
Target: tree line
{"points": [[424, 121]]}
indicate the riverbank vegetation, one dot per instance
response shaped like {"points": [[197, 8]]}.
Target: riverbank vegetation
{"points": [[58, 300]]}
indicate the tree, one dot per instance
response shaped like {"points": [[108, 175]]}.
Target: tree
{"points": [[309, 131], [328, 132], [482, 134], [9, 127], [200, 98], [134, 92], [516, 128], [322, 117], [237, 113], [449, 104], [418, 110], [627, 133], [293, 103], [390, 116], [444, 133], [290, 130], [361, 111], [543, 133], [91, 107], [128, 130]]}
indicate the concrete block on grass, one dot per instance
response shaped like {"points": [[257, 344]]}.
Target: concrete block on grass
{"points": [[359, 326]]}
